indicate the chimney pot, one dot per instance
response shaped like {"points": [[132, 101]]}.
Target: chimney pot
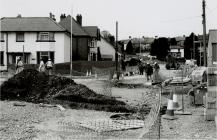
{"points": [[79, 19], [50, 15], [62, 16]]}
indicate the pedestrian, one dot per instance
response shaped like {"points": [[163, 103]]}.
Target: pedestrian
{"points": [[19, 65], [141, 68], [49, 66], [41, 66], [156, 76], [149, 71]]}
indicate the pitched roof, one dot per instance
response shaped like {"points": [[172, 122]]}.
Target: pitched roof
{"points": [[16, 24], [93, 31], [77, 30], [113, 44]]}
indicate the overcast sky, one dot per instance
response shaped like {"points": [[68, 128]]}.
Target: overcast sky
{"points": [[136, 18]]}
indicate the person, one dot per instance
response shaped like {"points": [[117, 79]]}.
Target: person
{"points": [[141, 68], [41, 66], [49, 66], [19, 65], [156, 76], [149, 71]]}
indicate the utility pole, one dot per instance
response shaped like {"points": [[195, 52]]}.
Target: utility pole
{"points": [[23, 55], [193, 47], [140, 46], [204, 31], [116, 51], [71, 46]]}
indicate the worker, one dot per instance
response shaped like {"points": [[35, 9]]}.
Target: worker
{"points": [[41, 66], [149, 71], [49, 66], [156, 76], [19, 65]]}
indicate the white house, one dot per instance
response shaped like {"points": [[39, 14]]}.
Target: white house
{"points": [[176, 51], [34, 38], [107, 50]]}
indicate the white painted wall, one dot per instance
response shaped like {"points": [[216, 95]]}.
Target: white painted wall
{"points": [[66, 48], [212, 40], [3, 48], [60, 47], [106, 48], [176, 50]]}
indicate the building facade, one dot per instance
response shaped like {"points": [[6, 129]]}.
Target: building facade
{"points": [[177, 51], [33, 38], [211, 95]]}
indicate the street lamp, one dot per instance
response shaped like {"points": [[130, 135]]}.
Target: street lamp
{"points": [[140, 46]]}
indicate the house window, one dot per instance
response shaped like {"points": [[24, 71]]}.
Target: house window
{"points": [[45, 56], [20, 37], [2, 58], [45, 36], [92, 44], [214, 52], [2, 37]]}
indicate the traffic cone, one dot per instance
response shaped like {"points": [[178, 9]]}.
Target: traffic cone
{"points": [[87, 73], [175, 102], [90, 73], [170, 109]]}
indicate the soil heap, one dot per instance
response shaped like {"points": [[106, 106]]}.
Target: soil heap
{"points": [[33, 86]]}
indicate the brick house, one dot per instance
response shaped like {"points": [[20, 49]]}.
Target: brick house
{"points": [[80, 38]]}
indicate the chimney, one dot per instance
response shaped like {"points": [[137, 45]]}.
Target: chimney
{"points": [[79, 19], [52, 16], [63, 16], [19, 16]]}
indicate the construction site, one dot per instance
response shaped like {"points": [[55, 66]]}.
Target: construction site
{"points": [[98, 106], [65, 80]]}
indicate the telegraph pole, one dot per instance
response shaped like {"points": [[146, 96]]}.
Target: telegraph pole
{"points": [[193, 47], [116, 51], [23, 55], [71, 45], [204, 31]]}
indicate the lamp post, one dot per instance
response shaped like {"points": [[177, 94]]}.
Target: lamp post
{"points": [[140, 47]]}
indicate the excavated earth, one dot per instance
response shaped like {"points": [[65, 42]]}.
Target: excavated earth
{"points": [[33, 86]]}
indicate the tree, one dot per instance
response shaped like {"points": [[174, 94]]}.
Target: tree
{"points": [[189, 50], [173, 41], [153, 50], [160, 48], [129, 48]]}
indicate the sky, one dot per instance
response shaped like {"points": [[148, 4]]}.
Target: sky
{"points": [[136, 18]]}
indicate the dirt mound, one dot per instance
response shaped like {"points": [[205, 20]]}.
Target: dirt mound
{"points": [[32, 86], [80, 96]]}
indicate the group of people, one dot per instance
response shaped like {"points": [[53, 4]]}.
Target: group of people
{"points": [[150, 70], [46, 66], [43, 67]]}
